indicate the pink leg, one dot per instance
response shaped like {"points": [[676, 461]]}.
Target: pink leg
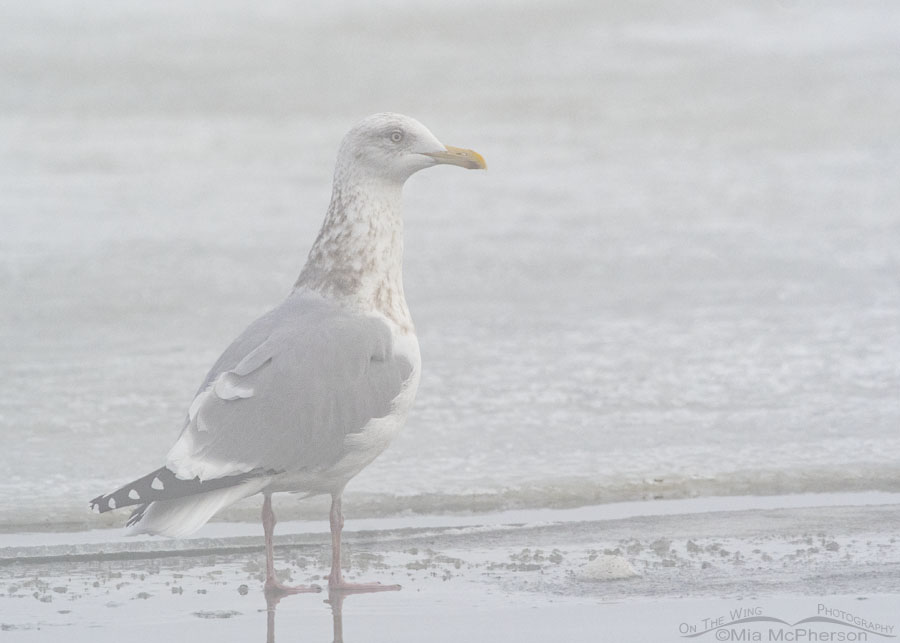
{"points": [[272, 585], [336, 580]]}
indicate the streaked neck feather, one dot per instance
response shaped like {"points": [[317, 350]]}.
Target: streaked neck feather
{"points": [[358, 254]]}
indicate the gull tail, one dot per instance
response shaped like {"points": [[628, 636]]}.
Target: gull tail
{"points": [[183, 516], [172, 506]]}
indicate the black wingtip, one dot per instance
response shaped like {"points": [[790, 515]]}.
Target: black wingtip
{"points": [[100, 504], [163, 484]]}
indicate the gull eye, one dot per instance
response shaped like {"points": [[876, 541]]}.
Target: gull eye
{"points": [[396, 136]]}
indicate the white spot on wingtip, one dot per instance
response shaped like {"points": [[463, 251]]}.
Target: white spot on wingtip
{"points": [[134, 495], [112, 503], [157, 484]]}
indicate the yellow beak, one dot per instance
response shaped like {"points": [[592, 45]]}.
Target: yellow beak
{"points": [[469, 159]]}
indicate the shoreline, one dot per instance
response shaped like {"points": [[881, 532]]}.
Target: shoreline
{"points": [[18, 544], [70, 512], [234, 538], [221, 527]]}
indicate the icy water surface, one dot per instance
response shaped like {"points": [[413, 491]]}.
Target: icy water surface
{"points": [[679, 276]]}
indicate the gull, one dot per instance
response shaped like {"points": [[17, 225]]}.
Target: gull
{"points": [[315, 389]]}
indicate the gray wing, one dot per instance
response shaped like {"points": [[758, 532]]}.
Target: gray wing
{"points": [[287, 392]]}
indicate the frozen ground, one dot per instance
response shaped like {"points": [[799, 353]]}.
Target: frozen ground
{"points": [[533, 576]]}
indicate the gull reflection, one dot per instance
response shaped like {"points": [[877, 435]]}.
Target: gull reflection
{"points": [[335, 600]]}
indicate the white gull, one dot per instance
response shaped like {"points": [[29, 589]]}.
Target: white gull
{"points": [[311, 392]]}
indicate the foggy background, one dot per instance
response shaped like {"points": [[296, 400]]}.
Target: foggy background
{"points": [[678, 277]]}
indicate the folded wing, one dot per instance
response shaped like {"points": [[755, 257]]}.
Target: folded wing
{"points": [[289, 390]]}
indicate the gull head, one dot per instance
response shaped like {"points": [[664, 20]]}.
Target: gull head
{"points": [[393, 147]]}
